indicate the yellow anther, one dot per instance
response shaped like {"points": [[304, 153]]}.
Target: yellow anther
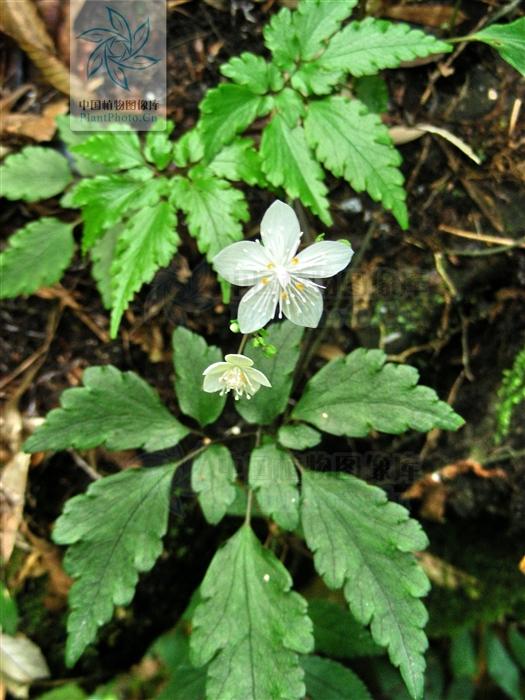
{"points": [[270, 266], [265, 280], [284, 295], [299, 286], [295, 261]]}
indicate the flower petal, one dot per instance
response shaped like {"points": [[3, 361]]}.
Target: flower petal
{"points": [[280, 232], [218, 367], [243, 263], [258, 306], [255, 375], [239, 360], [304, 305], [211, 381], [323, 259]]}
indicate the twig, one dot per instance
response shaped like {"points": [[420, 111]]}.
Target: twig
{"points": [[484, 238]]}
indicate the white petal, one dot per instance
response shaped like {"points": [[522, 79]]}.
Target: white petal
{"points": [[323, 259], [303, 307], [239, 360], [258, 306], [211, 382], [280, 232], [242, 263], [218, 367], [254, 375]]}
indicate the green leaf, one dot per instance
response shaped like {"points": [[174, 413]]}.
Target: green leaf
{"points": [[280, 38], [72, 138], [158, 147], [461, 689], [508, 40], [214, 210], [115, 409], [213, 477], [363, 542], [329, 680], [114, 532], [36, 256], [102, 255], [359, 393], [69, 691], [372, 90], [339, 634], [119, 150], [511, 393], [298, 436], [365, 48], [8, 611], [188, 149], [250, 625], [149, 241], [226, 111], [312, 78], [273, 477], [354, 144], [316, 20], [266, 405], [34, 173], [191, 356], [288, 162], [501, 668], [106, 199], [463, 655], [239, 161], [289, 104], [517, 646], [254, 72], [185, 681]]}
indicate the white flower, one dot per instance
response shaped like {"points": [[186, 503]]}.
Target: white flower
{"points": [[278, 276], [237, 374]]}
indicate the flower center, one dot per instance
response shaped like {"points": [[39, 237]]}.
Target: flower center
{"points": [[282, 275], [236, 380]]}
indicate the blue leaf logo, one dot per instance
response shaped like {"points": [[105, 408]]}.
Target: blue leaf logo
{"points": [[118, 48]]}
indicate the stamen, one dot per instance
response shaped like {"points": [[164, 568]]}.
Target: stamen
{"points": [[265, 280], [299, 286], [295, 261], [270, 266]]}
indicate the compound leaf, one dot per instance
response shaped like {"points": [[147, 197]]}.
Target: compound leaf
{"points": [[266, 405], [115, 409], [118, 150], [191, 356], [250, 626], [114, 532], [363, 542], [36, 257], [239, 161], [148, 241], [354, 144], [254, 72], [365, 48], [34, 173], [274, 479], [102, 255], [298, 436], [339, 634], [213, 477], [280, 38], [158, 147], [508, 40], [316, 20], [329, 680], [287, 161], [214, 210], [359, 393], [226, 111]]}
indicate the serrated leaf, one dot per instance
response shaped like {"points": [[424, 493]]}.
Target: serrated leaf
{"points": [[354, 144], [266, 405], [250, 626], [365, 48], [191, 356], [34, 173], [298, 436], [82, 131], [339, 634], [287, 161], [290, 106], [273, 477], [312, 79], [239, 161], [501, 668], [363, 542], [280, 38], [329, 680], [214, 210], [105, 200], [115, 409], [158, 147], [36, 256], [118, 150], [213, 477], [254, 72], [188, 149], [148, 241], [226, 111], [316, 20], [508, 40], [102, 255], [114, 531], [359, 393]]}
